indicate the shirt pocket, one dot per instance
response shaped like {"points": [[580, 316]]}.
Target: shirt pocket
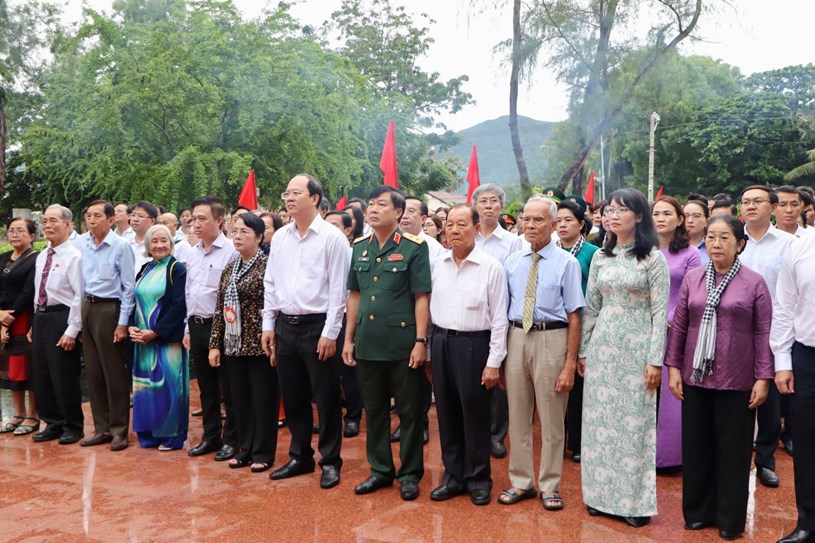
{"points": [[475, 296], [363, 274], [213, 278], [58, 280], [394, 275], [548, 298], [106, 272]]}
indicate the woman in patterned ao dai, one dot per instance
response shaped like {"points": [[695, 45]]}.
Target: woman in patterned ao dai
{"points": [[621, 352]]}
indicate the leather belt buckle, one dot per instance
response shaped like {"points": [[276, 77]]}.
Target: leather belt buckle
{"points": [[42, 308], [198, 320], [451, 333], [293, 320]]}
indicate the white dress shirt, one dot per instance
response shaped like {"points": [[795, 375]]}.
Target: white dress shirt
{"points": [[765, 255], [138, 254], [307, 275], [801, 231], [204, 270], [64, 284], [472, 298], [500, 243], [182, 251], [794, 306], [128, 235], [435, 248]]}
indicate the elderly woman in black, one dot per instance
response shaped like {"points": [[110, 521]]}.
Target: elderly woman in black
{"points": [[235, 343]]}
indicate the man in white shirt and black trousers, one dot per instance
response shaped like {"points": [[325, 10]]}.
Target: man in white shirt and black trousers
{"points": [[57, 322], [304, 303], [469, 311], [792, 339]]}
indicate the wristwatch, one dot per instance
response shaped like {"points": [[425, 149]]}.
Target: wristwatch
{"points": [[421, 340]]}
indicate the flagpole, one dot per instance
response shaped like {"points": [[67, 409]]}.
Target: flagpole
{"points": [[602, 168]]}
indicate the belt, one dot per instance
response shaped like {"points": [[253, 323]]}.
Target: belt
{"points": [[200, 320], [52, 308], [459, 333], [97, 300], [544, 326], [302, 319]]}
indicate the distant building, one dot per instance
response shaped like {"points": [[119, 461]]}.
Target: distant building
{"points": [[436, 199]]}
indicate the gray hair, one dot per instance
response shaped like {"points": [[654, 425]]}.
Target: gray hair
{"points": [[490, 187], [548, 201], [64, 211], [148, 237]]}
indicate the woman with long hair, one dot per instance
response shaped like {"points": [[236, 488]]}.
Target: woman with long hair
{"points": [[621, 353], [674, 242]]}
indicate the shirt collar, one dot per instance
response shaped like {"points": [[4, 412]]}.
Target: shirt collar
{"points": [[219, 242], [545, 253], [316, 225], [772, 231], [499, 233], [476, 256]]}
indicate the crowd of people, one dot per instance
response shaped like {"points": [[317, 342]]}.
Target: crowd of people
{"points": [[647, 337]]}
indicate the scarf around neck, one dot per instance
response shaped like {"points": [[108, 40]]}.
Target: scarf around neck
{"points": [[232, 306]]}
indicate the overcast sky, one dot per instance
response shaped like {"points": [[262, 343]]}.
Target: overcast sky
{"points": [[759, 35]]}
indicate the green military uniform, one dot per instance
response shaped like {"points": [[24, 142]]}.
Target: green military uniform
{"points": [[387, 280]]}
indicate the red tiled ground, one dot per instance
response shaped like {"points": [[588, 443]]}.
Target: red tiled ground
{"points": [[53, 493]]}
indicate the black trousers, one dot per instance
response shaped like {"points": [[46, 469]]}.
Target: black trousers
{"points": [[802, 407], [463, 407], [55, 375], [499, 414], [211, 383], [769, 429], [717, 435], [350, 388], [255, 399], [574, 415], [302, 374]]}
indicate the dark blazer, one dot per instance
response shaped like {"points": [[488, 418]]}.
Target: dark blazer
{"points": [[170, 322]]}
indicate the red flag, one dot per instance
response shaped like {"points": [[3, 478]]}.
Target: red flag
{"points": [[342, 203], [473, 177], [659, 193], [589, 197], [249, 197], [388, 162]]}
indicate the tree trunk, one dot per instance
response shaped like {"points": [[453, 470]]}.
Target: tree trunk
{"points": [[526, 187], [599, 78], [2, 142]]}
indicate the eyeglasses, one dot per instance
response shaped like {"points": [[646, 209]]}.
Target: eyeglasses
{"points": [[611, 211], [53, 221], [490, 201], [17, 231], [755, 201], [292, 193]]}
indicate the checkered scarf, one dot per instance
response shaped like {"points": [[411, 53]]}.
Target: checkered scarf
{"points": [[232, 307], [705, 351], [577, 246]]}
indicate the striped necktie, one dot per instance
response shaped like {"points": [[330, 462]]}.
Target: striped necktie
{"points": [[529, 296]]}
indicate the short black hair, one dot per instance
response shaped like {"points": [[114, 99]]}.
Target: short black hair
{"points": [[718, 204], [325, 205], [117, 204], [239, 207], [697, 196], [770, 192], [359, 219], [422, 206], [397, 198], [214, 203], [735, 225], [277, 222], [359, 201], [346, 218], [182, 210], [110, 211], [789, 189], [473, 211], [254, 222], [313, 186], [149, 208]]}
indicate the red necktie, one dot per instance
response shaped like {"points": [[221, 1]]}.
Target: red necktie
{"points": [[42, 298]]}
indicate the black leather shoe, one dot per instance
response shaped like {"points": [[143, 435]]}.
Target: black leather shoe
{"points": [[637, 522], [443, 492], [46, 435], [67, 439], [480, 496], [205, 447], [293, 468], [728, 536], [372, 484], [696, 525], [767, 477], [497, 449], [396, 435], [799, 536], [409, 491], [225, 453], [351, 429], [330, 477], [425, 436], [787, 442]]}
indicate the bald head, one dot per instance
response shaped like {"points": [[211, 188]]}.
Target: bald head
{"points": [[170, 221]]}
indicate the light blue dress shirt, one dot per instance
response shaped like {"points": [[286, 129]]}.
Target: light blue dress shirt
{"points": [[108, 270], [559, 288]]}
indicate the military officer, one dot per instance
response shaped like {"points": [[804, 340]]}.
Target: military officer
{"points": [[388, 314]]}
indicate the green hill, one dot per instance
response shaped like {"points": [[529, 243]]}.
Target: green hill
{"points": [[496, 161]]}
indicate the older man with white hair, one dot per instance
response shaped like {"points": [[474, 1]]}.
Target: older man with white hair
{"points": [[545, 298]]}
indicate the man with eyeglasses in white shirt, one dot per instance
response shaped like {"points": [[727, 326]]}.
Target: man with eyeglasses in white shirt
{"points": [[765, 250]]}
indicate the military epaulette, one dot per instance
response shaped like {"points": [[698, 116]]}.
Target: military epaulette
{"points": [[363, 238], [415, 239]]}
